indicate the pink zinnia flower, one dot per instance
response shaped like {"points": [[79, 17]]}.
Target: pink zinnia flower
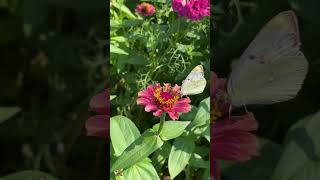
{"points": [[192, 9], [98, 125], [145, 9], [164, 99], [231, 138]]}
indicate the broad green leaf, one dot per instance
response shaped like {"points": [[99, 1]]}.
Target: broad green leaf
{"points": [[122, 132], [206, 174], [161, 155], [112, 97], [7, 112], [116, 50], [197, 161], [141, 170], [260, 167], [123, 8], [300, 159], [308, 9], [138, 150], [180, 155], [29, 175], [118, 39], [190, 115], [171, 129], [203, 115], [206, 133]]}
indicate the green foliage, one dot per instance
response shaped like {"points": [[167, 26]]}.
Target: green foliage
{"points": [[53, 60]]}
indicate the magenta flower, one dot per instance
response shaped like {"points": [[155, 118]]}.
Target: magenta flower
{"points": [[192, 9], [162, 99], [145, 9], [231, 137], [98, 125]]}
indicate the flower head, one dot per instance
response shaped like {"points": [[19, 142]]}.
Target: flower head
{"points": [[145, 9], [98, 125], [231, 137], [162, 99], [192, 9]]}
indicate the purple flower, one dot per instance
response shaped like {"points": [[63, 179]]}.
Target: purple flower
{"points": [[192, 9]]}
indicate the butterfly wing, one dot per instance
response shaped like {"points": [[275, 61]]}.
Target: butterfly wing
{"points": [[195, 82], [272, 68]]}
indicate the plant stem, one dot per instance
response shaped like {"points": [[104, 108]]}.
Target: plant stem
{"points": [[162, 120]]}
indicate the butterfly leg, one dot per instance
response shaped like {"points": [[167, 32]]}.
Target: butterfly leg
{"points": [[245, 108]]}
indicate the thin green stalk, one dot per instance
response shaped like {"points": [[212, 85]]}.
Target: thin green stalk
{"points": [[162, 120]]}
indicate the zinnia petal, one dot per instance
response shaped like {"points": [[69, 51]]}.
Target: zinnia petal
{"points": [[98, 126]]}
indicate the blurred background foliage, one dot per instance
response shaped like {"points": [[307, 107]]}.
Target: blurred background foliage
{"points": [[228, 43], [53, 60]]}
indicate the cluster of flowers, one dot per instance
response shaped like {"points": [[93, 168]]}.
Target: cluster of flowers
{"points": [[191, 9]]}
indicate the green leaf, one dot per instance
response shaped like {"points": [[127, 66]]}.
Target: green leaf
{"points": [[116, 50], [308, 9], [112, 97], [135, 59], [197, 161], [29, 175], [122, 132], [203, 115], [206, 133], [171, 129], [35, 14], [161, 155], [138, 150], [123, 8], [190, 115], [300, 159], [7, 112], [260, 167], [180, 155], [141, 170], [206, 174]]}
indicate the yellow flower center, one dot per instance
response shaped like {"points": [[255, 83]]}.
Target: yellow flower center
{"points": [[215, 113], [165, 98]]}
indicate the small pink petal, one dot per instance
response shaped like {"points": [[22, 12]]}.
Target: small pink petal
{"points": [[176, 89], [173, 114], [145, 101], [158, 112], [150, 107]]}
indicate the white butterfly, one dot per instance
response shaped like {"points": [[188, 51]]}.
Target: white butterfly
{"points": [[272, 69], [194, 82]]}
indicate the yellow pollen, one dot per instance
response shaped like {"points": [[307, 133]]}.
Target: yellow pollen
{"points": [[214, 112], [161, 100]]}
